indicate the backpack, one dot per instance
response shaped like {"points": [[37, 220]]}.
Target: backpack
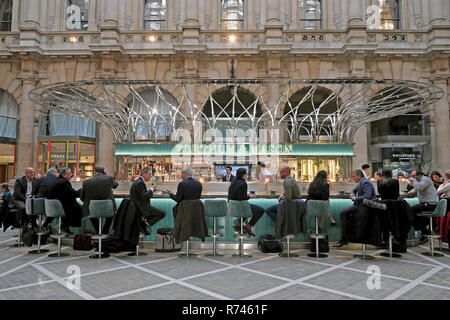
{"points": [[165, 241], [269, 244], [323, 245], [82, 242], [29, 237]]}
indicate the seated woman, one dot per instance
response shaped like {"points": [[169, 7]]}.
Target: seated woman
{"points": [[388, 188], [238, 191], [444, 189], [437, 179], [319, 189]]}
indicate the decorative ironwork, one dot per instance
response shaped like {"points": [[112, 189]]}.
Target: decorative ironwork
{"points": [[306, 110]]}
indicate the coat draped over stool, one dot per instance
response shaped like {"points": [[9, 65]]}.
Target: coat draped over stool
{"points": [[291, 218], [126, 223], [190, 221], [364, 225]]}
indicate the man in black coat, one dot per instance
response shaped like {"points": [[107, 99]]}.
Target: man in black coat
{"points": [[25, 187], [45, 182], [188, 189], [99, 187], [388, 188], [141, 198], [228, 177], [61, 189]]}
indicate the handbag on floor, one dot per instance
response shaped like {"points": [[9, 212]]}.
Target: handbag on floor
{"points": [[82, 242], [269, 244], [165, 241]]}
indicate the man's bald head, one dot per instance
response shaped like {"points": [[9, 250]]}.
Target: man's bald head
{"points": [[29, 173], [285, 171]]}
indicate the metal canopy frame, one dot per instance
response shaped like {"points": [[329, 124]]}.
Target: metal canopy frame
{"points": [[355, 102]]}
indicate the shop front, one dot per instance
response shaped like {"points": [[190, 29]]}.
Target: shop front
{"points": [[208, 161]]}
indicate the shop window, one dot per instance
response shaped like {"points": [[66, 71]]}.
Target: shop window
{"points": [[232, 14], [389, 14], [77, 14], [54, 124], [311, 14], [5, 15], [156, 112], [154, 14], [8, 115]]}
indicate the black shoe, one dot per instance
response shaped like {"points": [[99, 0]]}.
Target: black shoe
{"points": [[333, 223], [66, 230], [340, 244], [144, 231], [422, 240]]}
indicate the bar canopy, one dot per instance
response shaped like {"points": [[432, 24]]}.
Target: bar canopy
{"points": [[239, 150]]}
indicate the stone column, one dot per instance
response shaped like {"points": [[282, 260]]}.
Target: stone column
{"points": [[437, 12], [26, 137], [442, 127], [272, 12], [106, 148], [110, 12], [31, 13], [355, 12]]}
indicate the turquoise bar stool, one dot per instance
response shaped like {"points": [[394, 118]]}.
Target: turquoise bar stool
{"points": [[439, 212], [317, 209], [54, 209], [33, 208], [100, 209], [19, 231], [215, 208], [240, 209]]}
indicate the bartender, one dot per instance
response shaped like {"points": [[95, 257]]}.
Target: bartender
{"points": [[264, 173]]}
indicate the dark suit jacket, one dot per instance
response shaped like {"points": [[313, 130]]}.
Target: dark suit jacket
{"points": [[238, 190], [98, 187], [140, 196], [388, 189], [224, 178], [62, 190], [20, 188], [320, 192], [189, 189], [364, 190], [43, 185]]}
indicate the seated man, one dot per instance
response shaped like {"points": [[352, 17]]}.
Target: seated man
{"points": [[45, 182], [25, 187], [290, 188], [188, 189], [388, 187], [61, 189], [99, 187], [428, 198], [364, 190], [141, 198], [238, 191]]}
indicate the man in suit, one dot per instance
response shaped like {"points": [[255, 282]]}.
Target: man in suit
{"points": [[25, 187], [61, 189], [363, 190], [290, 188], [228, 177], [45, 182], [99, 187], [188, 189], [141, 198]]}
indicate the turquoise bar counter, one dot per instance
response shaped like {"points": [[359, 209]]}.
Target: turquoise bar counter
{"points": [[225, 225]]}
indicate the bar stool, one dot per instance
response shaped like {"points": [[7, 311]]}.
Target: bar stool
{"points": [[54, 209], [390, 253], [439, 212], [215, 208], [317, 209], [137, 253], [36, 207], [240, 209], [19, 232], [100, 209], [363, 256]]}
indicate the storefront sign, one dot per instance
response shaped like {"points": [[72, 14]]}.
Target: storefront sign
{"points": [[62, 156]]}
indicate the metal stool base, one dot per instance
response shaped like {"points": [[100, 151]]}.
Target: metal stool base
{"points": [[97, 256], [313, 255], [286, 255], [435, 254], [243, 256], [363, 257], [388, 255], [133, 254], [38, 251], [190, 255], [56, 255], [214, 255], [16, 246]]}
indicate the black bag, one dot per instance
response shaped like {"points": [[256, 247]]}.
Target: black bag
{"points": [[323, 245], [82, 242], [165, 241], [269, 244], [29, 236], [112, 245]]}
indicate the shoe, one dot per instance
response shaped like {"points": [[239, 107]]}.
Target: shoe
{"points": [[144, 231], [334, 223], [340, 244], [66, 230], [375, 205], [248, 231], [423, 240], [237, 228]]}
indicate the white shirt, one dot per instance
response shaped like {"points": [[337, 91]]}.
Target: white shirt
{"points": [[29, 189], [444, 189], [151, 188], [228, 177]]}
